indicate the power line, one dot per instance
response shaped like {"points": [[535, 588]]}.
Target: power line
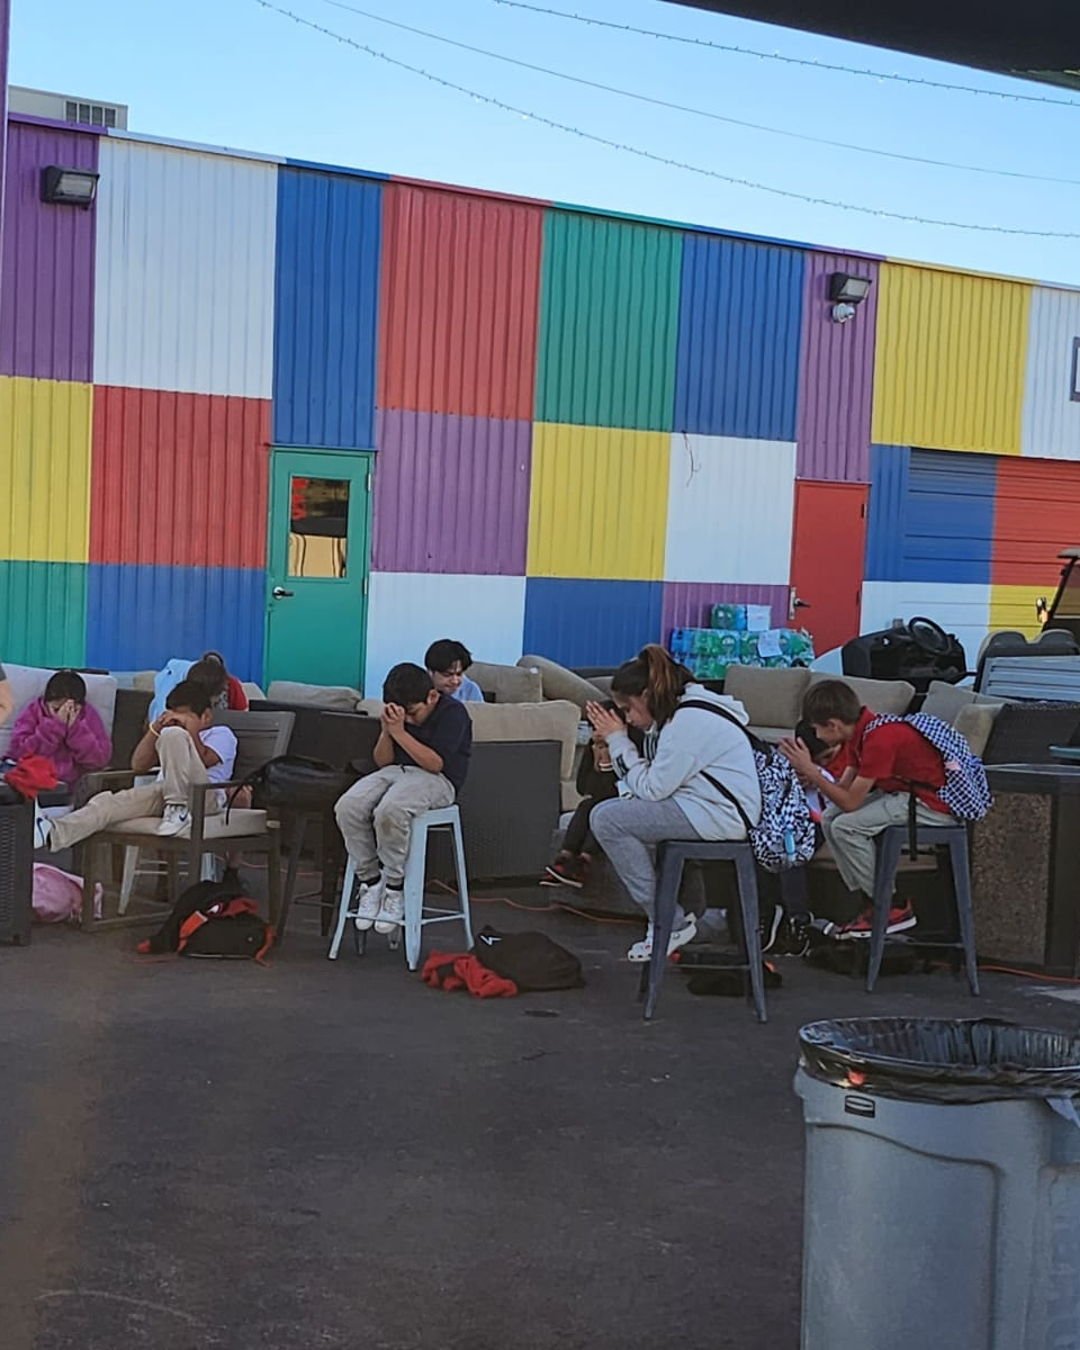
{"points": [[650, 155], [791, 60], [698, 112]]}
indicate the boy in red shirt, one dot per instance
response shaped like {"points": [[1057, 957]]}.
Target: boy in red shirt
{"points": [[884, 767]]}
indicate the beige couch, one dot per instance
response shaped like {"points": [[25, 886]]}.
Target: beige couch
{"points": [[773, 698]]}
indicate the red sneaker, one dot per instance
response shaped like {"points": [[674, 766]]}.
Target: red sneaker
{"points": [[901, 918]]}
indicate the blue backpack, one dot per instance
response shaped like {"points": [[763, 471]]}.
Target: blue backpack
{"points": [[966, 792], [784, 834]]}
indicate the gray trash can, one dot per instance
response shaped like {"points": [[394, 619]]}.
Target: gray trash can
{"points": [[942, 1202]]}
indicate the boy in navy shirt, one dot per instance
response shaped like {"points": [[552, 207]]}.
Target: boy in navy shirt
{"points": [[422, 756]]}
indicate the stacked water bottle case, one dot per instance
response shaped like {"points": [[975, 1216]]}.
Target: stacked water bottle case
{"points": [[739, 635]]}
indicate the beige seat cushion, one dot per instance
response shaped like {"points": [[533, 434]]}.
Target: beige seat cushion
{"points": [[883, 696], [509, 684], [772, 698], [556, 720], [215, 827], [560, 683], [771, 734], [338, 698], [976, 723]]}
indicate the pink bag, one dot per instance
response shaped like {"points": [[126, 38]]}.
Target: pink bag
{"points": [[58, 896]]}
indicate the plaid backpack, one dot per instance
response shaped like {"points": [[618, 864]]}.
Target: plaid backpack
{"points": [[784, 835], [966, 792]]}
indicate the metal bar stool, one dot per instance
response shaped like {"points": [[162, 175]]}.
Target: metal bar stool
{"points": [[890, 846], [417, 915], [672, 856]]}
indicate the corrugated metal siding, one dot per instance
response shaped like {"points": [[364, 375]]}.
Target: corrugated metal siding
{"points": [[931, 516], [329, 230], [179, 479], [599, 502], [686, 604], [836, 375], [740, 319], [451, 493], [730, 505], [44, 470], [1037, 515], [590, 623], [47, 296], [1014, 607], [407, 611], [43, 613], [1052, 386], [608, 323], [963, 610], [139, 617], [949, 367], [460, 297], [184, 271]]}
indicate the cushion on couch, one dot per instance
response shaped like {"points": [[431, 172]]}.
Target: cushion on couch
{"points": [[560, 683], [339, 698], [772, 698], [28, 683], [554, 720], [976, 722], [509, 684], [883, 696]]}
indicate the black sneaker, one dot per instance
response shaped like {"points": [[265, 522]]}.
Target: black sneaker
{"points": [[770, 927], [794, 936]]}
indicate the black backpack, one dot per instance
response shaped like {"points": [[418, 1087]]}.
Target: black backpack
{"points": [[531, 960], [213, 918]]}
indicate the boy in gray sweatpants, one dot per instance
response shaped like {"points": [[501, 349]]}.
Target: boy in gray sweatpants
{"points": [[423, 756]]}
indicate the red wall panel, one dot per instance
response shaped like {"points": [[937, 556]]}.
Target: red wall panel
{"points": [[1036, 514], [179, 479], [827, 559], [459, 303]]}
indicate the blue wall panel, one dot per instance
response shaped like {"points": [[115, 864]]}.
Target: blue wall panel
{"points": [[590, 623], [740, 324], [140, 616], [931, 516], [326, 310]]}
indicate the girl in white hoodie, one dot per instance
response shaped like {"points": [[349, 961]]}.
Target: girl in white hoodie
{"points": [[667, 789]]}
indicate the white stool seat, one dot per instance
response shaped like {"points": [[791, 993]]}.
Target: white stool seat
{"points": [[417, 914]]}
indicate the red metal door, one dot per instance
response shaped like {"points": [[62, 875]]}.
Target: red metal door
{"points": [[827, 559]]}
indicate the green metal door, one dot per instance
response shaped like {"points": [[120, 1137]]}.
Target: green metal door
{"points": [[316, 594]]}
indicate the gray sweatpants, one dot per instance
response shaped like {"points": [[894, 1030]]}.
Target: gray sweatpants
{"points": [[375, 816], [628, 830], [851, 834]]}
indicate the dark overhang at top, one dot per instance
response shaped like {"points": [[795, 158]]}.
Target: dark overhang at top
{"points": [[1038, 40]]}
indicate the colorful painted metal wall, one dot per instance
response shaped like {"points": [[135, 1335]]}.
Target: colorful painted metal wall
{"points": [[586, 428]]}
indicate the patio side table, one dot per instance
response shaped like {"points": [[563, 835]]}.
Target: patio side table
{"points": [[16, 867]]}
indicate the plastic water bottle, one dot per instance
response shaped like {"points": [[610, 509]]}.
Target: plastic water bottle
{"points": [[789, 844]]}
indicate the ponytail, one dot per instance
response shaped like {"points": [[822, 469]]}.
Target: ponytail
{"points": [[655, 675]]}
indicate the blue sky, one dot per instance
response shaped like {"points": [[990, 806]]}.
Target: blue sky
{"points": [[228, 72]]}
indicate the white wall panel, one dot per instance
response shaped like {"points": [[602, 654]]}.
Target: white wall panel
{"points": [[960, 609], [184, 285], [407, 611], [730, 507], [1051, 423]]}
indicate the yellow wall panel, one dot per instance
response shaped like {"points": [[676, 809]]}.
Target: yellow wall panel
{"points": [[1014, 607], [949, 364], [45, 436], [599, 502]]}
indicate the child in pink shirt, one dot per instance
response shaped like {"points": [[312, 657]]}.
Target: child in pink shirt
{"points": [[63, 728]]}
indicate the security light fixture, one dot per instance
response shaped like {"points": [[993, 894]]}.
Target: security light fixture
{"points": [[68, 187], [846, 293]]}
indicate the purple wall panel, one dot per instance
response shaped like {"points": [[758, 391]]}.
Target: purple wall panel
{"points": [[46, 305], [5, 35], [451, 493], [836, 376], [686, 603]]}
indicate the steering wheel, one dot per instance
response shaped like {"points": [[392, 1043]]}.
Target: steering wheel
{"points": [[929, 636]]}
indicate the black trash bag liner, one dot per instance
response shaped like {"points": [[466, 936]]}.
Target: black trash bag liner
{"points": [[937, 1060]]}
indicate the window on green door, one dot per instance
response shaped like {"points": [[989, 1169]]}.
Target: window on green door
{"points": [[318, 527]]}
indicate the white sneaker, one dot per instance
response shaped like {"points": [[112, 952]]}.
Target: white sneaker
{"points": [[42, 829], [392, 914], [175, 819], [642, 951], [371, 899]]}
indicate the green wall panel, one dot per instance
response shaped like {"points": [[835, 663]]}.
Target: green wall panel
{"points": [[609, 323], [43, 613]]}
